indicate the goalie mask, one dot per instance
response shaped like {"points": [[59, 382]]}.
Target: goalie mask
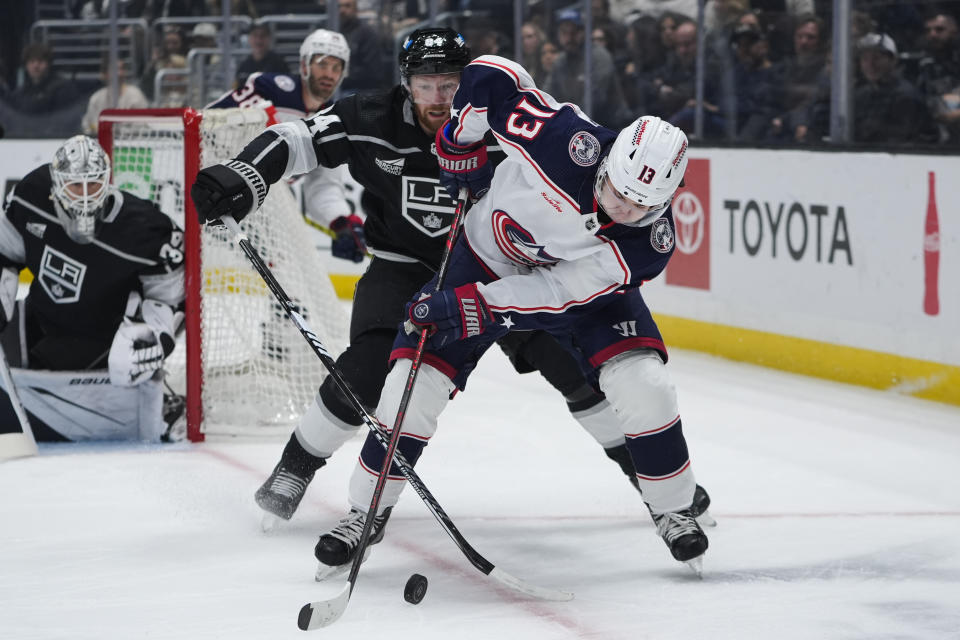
{"points": [[638, 178], [81, 183], [324, 43], [439, 53]]}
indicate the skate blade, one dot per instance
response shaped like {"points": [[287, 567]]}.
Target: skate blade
{"points": [[269, 522], [325, 571], [696, 565], [706, 520]]}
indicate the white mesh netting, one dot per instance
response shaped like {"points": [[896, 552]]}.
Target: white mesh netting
{"points": [[259, 373]]}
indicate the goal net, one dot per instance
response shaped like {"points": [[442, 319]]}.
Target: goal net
{"points": [[242, 364]]}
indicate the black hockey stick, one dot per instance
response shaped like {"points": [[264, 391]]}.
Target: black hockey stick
{"points": [[322, 613]]}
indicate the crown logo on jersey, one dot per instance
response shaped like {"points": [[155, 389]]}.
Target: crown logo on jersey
{"points": [[432, 221]]}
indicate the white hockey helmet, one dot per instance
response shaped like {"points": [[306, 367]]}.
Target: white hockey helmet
{"points": [[81, 183], [646, 165], [324, 43]]}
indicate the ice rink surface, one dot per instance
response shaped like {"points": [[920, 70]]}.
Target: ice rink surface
{"points": [[838, 511]]}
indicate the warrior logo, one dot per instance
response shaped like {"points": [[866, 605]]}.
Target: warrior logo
{"points": [[426, 205], [61, 276], [584, 148], [661, 235], [518, 244]]}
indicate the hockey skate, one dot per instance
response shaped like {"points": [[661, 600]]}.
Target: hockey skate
{"points": [[701, 499], [175, 415], [336, 549], [684, 537], [281, 493]]}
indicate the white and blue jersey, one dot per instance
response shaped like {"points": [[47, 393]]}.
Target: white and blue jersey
{"points": [[539, 228], [283, 91]]}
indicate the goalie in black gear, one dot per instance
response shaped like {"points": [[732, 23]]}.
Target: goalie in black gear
{"points": [[88, 342], [387, 141]]}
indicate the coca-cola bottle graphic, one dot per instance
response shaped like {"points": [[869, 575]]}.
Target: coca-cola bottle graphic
{"points": [[931, 253]]}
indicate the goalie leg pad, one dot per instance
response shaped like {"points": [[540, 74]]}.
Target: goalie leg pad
{"points": [[430, 395], [638, 386]]}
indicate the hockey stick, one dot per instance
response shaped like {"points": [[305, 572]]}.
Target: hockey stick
{"points": [[25, 445], [323, 613]]}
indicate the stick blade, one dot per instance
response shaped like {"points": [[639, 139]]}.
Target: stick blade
{"points": [[323, 613], [522, 586]]}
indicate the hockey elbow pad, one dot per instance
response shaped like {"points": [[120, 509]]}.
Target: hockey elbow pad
{"points": [[462, 165]]}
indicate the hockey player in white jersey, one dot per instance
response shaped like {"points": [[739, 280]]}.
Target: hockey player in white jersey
{"points": [[88, 342], [324, 63], [575, 220]]}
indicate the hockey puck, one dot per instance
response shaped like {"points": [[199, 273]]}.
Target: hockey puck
{"points": [[415, 589]]}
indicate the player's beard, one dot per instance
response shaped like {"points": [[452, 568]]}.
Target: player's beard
{"points": [[321, 89], [432, 116]]}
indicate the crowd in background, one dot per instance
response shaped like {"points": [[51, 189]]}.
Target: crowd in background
{"points": [[767, 78]]}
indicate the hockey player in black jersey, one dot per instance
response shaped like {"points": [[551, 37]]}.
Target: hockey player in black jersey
{"points": [[88, 341], [387, 141]]}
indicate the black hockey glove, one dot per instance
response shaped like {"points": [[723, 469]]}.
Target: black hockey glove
{"points": [[449, 315], [235, 188], [463, 165], [349, 243]]}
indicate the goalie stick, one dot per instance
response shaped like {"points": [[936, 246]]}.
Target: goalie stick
{"points": [[14, 445], [323, 613]]}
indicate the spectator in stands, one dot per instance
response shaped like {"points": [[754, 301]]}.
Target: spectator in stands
{"points": [[532, 38], [365, 51], [800, 76], [566, 80], [648, 42], [887, 108], [615, 31], [262, 57], [129, 96], [204, 36], [673, 86], [756, 95], [939, 74], [548, 59], [43, 89], [169, 53]]}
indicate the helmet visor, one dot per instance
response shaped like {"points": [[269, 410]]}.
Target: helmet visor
{"points": [[432, 89]]}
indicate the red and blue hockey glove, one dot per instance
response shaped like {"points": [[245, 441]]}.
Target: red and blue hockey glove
{"points": [[463, 165], [349, 243], [451, 315]]}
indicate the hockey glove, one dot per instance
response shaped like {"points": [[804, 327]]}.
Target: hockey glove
{"points": [[9, 282], [450, 315], [349, 243], [136, 353], [235, 188], [463, 166]]}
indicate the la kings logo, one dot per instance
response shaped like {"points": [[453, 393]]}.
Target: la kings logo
{"points": [[61, 276], [426, 205]]}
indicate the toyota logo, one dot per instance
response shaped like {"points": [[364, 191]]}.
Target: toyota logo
{"points": [[690, 221]]}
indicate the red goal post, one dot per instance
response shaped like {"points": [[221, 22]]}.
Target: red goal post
{"points": [[243, 367]]}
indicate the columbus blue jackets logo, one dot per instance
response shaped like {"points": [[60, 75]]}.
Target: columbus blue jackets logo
{"points": [[661, 235], [584, 148], [518, 244], [285, 83]]}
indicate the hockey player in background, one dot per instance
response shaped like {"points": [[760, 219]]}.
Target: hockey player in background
{"points": [[388, 142], [88, 342], [324, 63]]}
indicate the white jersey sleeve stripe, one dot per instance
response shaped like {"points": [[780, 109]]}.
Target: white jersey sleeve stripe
{"points": [[505, 143]]}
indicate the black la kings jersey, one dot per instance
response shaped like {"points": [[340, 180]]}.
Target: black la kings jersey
{"points": [[82, 289], [389, 154]]}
